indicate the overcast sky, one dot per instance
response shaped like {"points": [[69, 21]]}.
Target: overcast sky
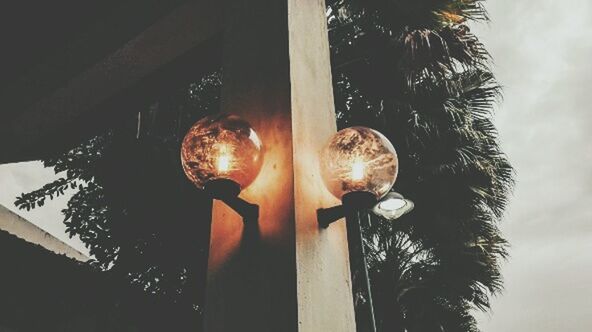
{"points": [[543, 57]]}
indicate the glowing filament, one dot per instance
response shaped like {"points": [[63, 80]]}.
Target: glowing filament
{"points": [[224, 163], [357, 172], [221, 147], [224, 159]]}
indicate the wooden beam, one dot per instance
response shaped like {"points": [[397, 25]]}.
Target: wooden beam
{"points": [[26, 135]]}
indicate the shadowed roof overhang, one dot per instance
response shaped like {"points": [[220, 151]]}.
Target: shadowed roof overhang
{"points": [[66, 73]]}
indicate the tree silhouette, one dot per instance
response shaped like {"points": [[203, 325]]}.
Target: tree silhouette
{"points": [[133, 207], [413, 70]]}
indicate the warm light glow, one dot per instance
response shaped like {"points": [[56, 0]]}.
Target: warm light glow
{"points": [[221, 147], [357, 172], [452, 17], [359, 159], [224, 163], [224, 159]]}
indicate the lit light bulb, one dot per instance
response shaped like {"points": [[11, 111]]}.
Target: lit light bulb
{"points": [[221, 147], [224, 163], [359, 159], [224, 160], [357, 172]]}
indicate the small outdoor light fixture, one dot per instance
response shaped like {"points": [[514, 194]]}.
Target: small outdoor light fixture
{"points": [[223, 155], [393, 206], [359, 166]]}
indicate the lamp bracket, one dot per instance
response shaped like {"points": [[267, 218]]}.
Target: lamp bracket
{"points": [[227, 191], [351, 202]]}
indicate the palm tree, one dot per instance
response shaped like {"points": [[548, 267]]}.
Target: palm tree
{"points": [[413, 70]]}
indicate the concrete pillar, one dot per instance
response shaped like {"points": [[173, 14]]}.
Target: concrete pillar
{"points": [[285, 273]]}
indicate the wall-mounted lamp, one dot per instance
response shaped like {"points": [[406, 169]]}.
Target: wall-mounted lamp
{"points": [[359, 166], [223, 155]]}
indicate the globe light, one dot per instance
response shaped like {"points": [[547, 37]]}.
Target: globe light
{"points": [[223, 155], [359, 159], [221, 147], [358, 166], [393, 206]]}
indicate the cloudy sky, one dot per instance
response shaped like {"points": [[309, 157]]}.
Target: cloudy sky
{"points": [[543, 57]]}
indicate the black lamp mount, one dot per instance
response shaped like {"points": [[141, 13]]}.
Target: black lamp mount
{"points": [[350, 203], [227, 191]]}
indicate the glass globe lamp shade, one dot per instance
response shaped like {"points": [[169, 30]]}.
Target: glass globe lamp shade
{"points": [[221, 147], [359, 159]]}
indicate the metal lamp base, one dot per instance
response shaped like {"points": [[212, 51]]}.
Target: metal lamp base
{"points": [[227, 191], [350, 202], [353, 205]]}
